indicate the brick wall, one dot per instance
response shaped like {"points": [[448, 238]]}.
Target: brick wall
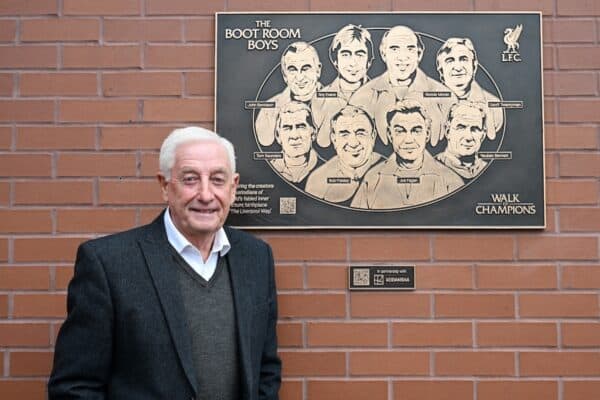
{"points": [[89, 88]]}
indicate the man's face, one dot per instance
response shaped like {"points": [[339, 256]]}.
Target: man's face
{"points": [[353, 139], [353, 61], [301, 73], [458, 69], [466, 132], [295, 134], [201, 189], [401, 54], [408, 134]]}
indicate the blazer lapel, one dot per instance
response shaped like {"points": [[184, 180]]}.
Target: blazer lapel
{"points": [[159, 258]]}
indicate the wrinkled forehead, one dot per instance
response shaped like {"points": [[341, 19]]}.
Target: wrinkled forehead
{"points": [[467, 116], [303, 57], [352, 123], [293, 118], [407, 119], [401, 37]]}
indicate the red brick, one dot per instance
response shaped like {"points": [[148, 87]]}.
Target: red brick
{"points": [[142, 30], [6, 84], [426, 5], [31, 56], [474, 305], [516, 334], [313, 363], [5, 138], [563, 192], [3, 249], [579, 110], [58, 84], [133, 137], [40, 306], [29, 7], [344, 334], [24, 164], [481, 247], [580, 164], [390, 305], [26, 110], [98, 110], [178, 110], [581, 276], [440, 276], [47, 249], [515, 390], [21, 389], [580, 334], [580, 219], [149, 214], [25, 221], [200, 83], [105, 7], [560, 363], [388, 247], [60, 30], [557, 248], [30, 363], [24, 335], [550, 110], [24, 278], [390, 363], [62, 278], [4, 194], [578, 7], [558, 305], [94, 57], [8, 30], [580, 390], [149, 165], [289, 334], [549, 57], [311, 305], [53, 192], [96, 164], [327, 277], [141, 84], [293, 248], [573, 30], [183, 7], [545, 6], [570, 84], [565, 137], [433, 390], [200, 30], [348, 390], [579, 57], [95, 220], [55, 138], [432, 334], [477, 363], [291, 390], [129, 192], [179, 56], [551, 164], [3, 306], [516, 277], [289, 277]]}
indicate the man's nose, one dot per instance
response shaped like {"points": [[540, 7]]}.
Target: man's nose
{"points": [[204, 191]]}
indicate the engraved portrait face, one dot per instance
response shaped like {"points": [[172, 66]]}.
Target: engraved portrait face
{"points": [[466, 132], [301, 72], [409, 135], [353, 139], [294, 133], [353, 61], [458, 69], [401, 53]]}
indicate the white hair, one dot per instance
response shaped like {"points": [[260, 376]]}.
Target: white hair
{"points": [[166, 159]]}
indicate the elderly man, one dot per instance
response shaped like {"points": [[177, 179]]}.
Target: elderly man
{"points": [[410, 176], [182, 308], [457, 65], [402, 50], [295, 132], [466, 129], [301, 70], [353, 137], [351, 53]]}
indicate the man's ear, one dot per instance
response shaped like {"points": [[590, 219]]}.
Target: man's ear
{"points": [[163, 182]]}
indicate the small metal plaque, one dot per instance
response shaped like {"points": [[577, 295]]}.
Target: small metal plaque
{"points": [[381, 277]]}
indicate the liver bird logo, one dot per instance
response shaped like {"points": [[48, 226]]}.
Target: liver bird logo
{"points": [[511, 38]]}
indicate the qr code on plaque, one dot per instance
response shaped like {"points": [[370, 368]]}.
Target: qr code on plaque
{"points": [[361, 277], [287, 205]]}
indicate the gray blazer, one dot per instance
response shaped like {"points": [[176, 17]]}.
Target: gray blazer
{"points": [[125, 334]]}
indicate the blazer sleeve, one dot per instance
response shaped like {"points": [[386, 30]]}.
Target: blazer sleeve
{"points": [[270, 371], [83, 350]]}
